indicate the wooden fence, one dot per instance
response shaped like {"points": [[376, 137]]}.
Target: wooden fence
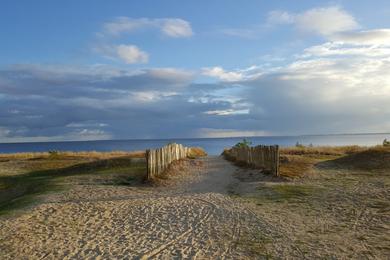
{"points": [[159, 159], [261, 156]]}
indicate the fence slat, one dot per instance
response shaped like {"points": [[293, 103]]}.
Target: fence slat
{"points": [[261, 156], [158, 160]]}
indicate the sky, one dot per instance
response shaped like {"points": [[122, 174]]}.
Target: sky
{"points": [[93, 70]]}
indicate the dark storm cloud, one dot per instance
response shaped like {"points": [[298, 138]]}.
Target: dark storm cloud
{"points": [[65, 101]]}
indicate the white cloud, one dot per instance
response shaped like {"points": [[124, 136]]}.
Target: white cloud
{"points": [[129, 54], [172, 27], [335, 24], [89, 134], [340, 48], [330, 88], [176, 28], [367, 37], [221, 74], [215, 133], [151, 96], [226, 112], [323, 21], [235, 75], [84, 125]]}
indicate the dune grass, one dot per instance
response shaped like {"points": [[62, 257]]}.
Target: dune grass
{"points": [[300, 161], [342, 203], [322, 150], [25, 176], [69, 155]]}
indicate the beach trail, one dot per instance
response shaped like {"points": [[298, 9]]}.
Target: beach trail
{"points": [[194, 217]]}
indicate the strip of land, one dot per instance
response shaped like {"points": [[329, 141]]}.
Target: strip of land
{"points": [[329, 203]]}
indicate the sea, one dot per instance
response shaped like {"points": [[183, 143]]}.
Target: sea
{"points": [[213, 146]]}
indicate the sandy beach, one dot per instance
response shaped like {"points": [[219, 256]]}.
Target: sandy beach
{"points": [[208, 208], [193, 218]]}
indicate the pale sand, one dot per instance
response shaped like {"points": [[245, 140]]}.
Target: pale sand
{"points": [[192, 218]]}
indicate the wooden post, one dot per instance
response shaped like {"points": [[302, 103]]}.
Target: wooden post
{"points": [[148, 164], [277, 160]]}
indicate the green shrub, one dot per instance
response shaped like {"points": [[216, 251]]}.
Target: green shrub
{"points": [[243, 143], [386, 143]]}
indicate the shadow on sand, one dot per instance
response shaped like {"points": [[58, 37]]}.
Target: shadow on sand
{"points": [[20, 190]]}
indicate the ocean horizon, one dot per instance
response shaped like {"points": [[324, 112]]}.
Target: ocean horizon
{"points": [[213, 146]]}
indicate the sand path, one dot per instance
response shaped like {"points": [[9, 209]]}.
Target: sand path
{"points": [[193, 219]]}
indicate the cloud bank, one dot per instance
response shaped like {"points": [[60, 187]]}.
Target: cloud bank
{"points": [[341, 85], [330, 88]]}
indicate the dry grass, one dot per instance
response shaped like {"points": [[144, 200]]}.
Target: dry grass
{"points": [[373, 159], [67, 154], [300, 161], [322, 150], [295, 166], [196, 152], [340, 213]]}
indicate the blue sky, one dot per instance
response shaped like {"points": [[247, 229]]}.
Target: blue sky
{"points": [[76, 70]]}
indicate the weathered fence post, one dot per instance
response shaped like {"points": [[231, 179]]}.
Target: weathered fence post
{"points": [[277, 160], [148, 164]]}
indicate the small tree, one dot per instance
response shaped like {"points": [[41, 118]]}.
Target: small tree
{"points": [[386, 143], [243, 143]]}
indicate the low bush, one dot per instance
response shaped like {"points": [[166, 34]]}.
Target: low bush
{"points": [[243, 143], [196, 152]]}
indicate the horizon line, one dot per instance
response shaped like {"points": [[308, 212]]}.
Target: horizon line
{"points": [[189, 138]]}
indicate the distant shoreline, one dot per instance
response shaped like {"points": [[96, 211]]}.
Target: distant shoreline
{"points": [[196, 138], [213, 146]]}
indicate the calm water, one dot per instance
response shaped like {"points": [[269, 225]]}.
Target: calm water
{"points": [[213, 146]]}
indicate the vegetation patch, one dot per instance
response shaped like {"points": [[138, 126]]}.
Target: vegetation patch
{"points": [[285, 192], [33, 176], [314, 151], [377, 158], [294, 166], [196, 152]]}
